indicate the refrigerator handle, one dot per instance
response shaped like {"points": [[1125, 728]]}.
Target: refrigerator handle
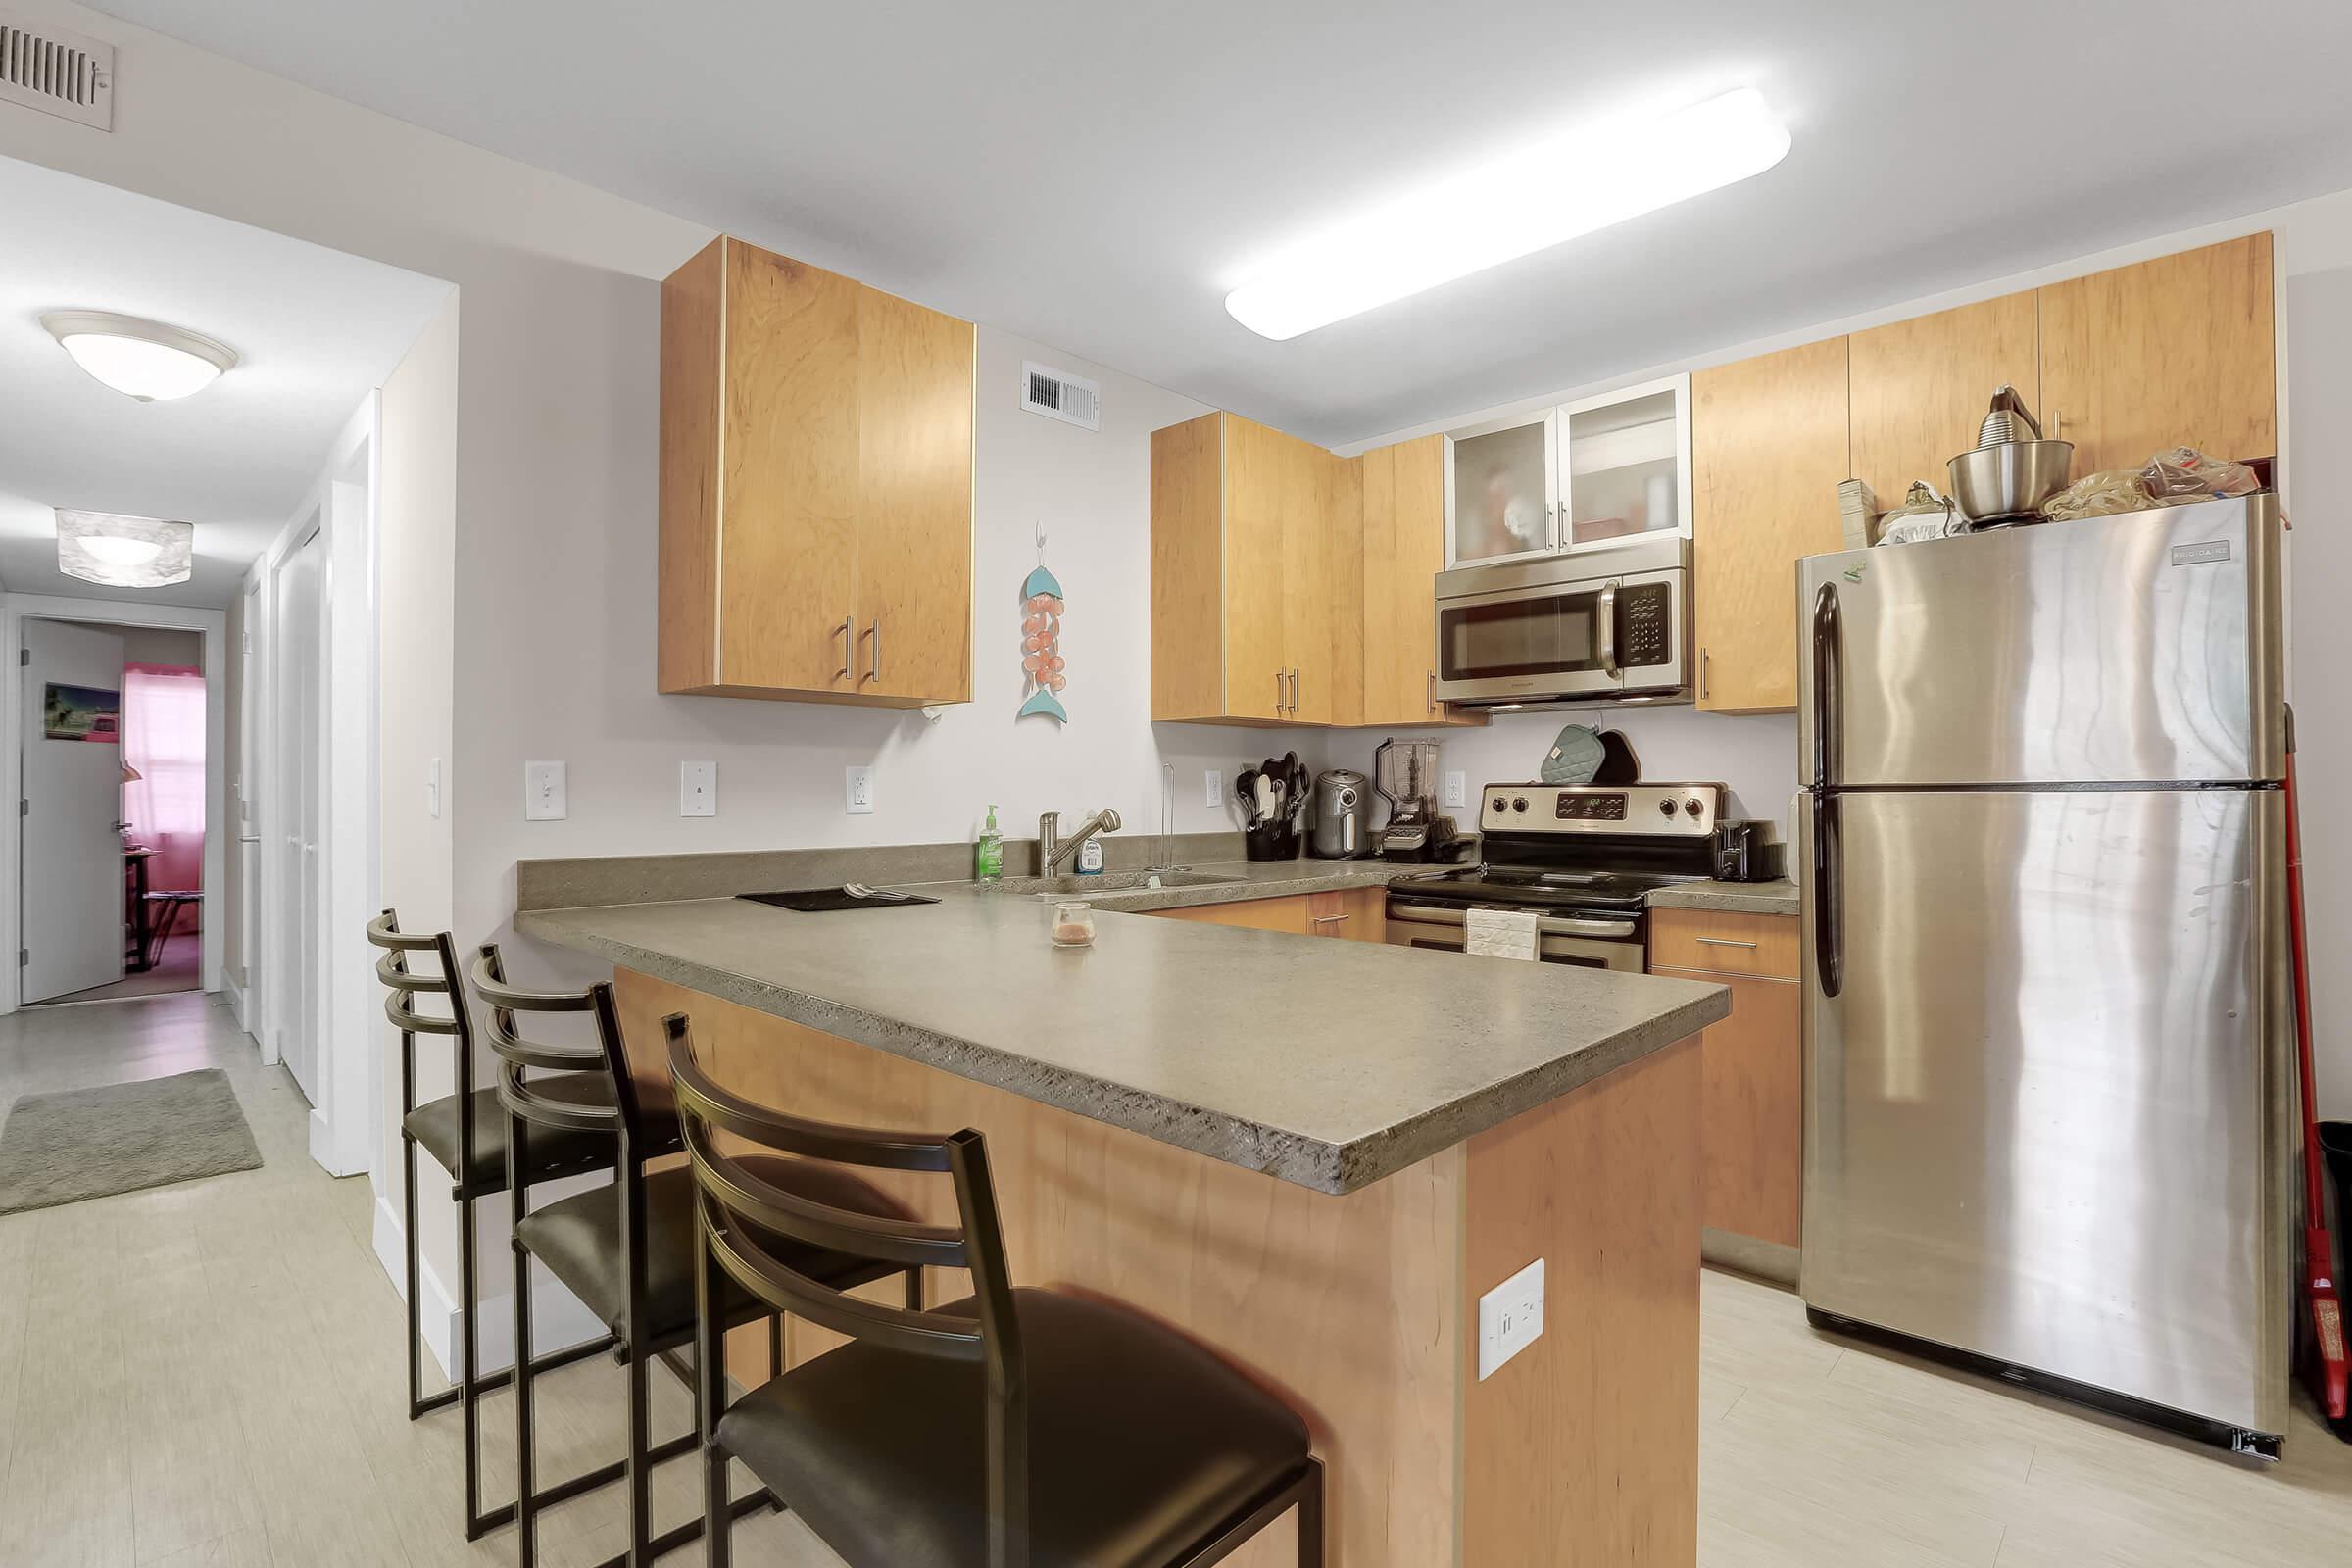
{"points": [[1828, 895], [1828, 687]]}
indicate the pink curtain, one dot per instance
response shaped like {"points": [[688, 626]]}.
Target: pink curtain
{"points": [[162, 738]]}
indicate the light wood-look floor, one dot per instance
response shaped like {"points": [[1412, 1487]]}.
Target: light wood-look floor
{"points": [[210, 1376]]}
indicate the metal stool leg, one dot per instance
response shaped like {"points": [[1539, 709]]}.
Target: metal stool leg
{"points": [[526, 1505], [1310, 1517], [419, 1405], [709, 1399]]}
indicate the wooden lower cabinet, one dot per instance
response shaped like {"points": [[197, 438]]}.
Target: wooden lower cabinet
{"points": [[1353, 914], [1752, 1079]]}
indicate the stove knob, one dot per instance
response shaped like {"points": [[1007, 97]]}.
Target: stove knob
{"points": [[1519, 805], [1665, 807], [1691, 806], [1499, 803]]}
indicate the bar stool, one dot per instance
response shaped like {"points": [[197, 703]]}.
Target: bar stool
{"points": [[1017, 1429], [627, 1250], [465, 1135]]}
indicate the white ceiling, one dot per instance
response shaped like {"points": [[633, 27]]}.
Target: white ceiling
{"points": [[1096, 176], [318, 331]]}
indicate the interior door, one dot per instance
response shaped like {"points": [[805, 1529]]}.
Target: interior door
{"points": [[69, 893], [2045, 1084], [301, 689]]}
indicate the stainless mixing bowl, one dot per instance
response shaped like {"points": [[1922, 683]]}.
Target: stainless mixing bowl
{"points": [[2010, 478]]}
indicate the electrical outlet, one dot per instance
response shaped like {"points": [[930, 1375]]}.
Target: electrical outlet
{"points": [[542, 792], [861, 782], [1457, 788], [1510, 1319], [1213, 795], [698, 789]]}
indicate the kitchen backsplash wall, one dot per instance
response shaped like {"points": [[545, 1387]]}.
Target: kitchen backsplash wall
{"points": [[1755, 756]]}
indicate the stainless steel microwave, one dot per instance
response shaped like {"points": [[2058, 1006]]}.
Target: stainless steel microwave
{"points": [[1611, 624]]}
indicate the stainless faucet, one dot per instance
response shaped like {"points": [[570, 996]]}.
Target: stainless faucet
{"points": [[1052, 849]]}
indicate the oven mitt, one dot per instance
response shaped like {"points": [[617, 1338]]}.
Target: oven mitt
{"points": [[1575, 757]]}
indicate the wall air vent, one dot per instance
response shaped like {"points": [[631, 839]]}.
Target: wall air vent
{"points": [[60, 72], [1071, 399]]}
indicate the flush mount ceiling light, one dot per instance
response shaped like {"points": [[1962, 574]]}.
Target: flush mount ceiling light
{"points": [[1514, 206], [144, 359], [119, 552]]}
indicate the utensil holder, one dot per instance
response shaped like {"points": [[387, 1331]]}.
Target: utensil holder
{"points": [[1271, 841]]}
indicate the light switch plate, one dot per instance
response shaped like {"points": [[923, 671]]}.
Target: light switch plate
{"points": [[1457, 788], [1510, 1319], [698, 789], [1213, 791], [860, 789], [543, 794]]}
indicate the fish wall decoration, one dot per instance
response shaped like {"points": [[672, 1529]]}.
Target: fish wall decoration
{"points": [[1041, 603]]}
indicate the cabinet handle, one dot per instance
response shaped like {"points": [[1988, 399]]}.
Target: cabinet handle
{"points": [[1703, 675], [1329, 919], [1293, 694], [1278, 691], [1433, 691], [849, 647], [1724, 942], [873, 670]]}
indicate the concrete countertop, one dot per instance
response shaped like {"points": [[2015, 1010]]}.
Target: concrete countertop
{"points": [[1738, 898], [1327, 1063]]}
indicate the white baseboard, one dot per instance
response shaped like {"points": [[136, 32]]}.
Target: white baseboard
{"points": [[558, 1319], [236, 1001]]}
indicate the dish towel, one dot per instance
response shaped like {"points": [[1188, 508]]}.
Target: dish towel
{"points": [[1500, 934]]}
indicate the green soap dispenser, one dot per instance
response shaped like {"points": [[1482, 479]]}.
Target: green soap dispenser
{"points": [[989, 853]]}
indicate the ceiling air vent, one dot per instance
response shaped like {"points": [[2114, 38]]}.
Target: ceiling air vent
{"points": [[1071, 399], [58, 72]]}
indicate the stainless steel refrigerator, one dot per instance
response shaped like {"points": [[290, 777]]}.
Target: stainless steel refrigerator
{"points": [[2047, 1033]]}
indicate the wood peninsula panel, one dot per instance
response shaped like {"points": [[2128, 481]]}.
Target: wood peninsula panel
{"points": [[1724, 942], [914, 502], [1350, 1307], [693, 343], [1753, 1109], [788, 534], [1921, 388], [2177, 351], [1188, 604], [1768, 439], [1582, 1451]]}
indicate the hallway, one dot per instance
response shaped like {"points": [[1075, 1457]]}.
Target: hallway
{"points": [[210, 1375]]}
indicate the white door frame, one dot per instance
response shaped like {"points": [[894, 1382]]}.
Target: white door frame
{"points": [[219, 824], [346, 1135]]}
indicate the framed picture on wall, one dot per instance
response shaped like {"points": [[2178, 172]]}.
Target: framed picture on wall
{"points": [[82, 713]]}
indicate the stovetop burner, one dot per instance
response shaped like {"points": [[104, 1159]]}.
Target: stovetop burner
{"points": [[1615, 891]]}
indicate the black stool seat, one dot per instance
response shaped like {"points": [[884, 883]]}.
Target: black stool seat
{"points": [[1140, 1443], [553, 1152], [578, 1238]]}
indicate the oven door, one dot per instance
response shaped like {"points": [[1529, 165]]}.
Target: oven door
{"points": [[1538, 642], [1582, 941]]}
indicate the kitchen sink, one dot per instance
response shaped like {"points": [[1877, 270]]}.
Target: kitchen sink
{"points": [[1110, 882]]}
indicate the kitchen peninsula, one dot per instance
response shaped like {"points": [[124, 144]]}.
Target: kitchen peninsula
{"points": [[1314, 1156]]}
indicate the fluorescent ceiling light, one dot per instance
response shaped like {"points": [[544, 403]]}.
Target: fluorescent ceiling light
{"points": [[119, 552], [144, 359], [1512, 207]]}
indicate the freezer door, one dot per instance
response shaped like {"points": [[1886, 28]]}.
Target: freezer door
{"points": [[2143, 648], [2047, 1107]]}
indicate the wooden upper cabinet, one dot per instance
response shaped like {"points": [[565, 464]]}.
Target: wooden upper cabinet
{"points": [[1921, 388], [1769, 446], [1402, 492], [1256, 577], [2180, 351], [816, 486]]}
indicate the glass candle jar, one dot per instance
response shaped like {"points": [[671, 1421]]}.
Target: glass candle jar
{"points": [[1073, 923]]}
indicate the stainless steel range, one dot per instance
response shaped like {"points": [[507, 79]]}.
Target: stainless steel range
{"points": [[1583, 860]]}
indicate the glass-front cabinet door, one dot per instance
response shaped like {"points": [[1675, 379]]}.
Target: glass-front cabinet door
{"points": [[1625, 464], [1501, 490]]}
